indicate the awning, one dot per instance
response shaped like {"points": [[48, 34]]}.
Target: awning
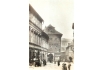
{"points": [[37, 47]]}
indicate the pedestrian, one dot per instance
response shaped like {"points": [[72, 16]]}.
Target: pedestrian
{"points": [[69, 66], [30, 61], [43, 62], [58, 62], [70, 58], [34, 61], [39, 62], [64, 66]]}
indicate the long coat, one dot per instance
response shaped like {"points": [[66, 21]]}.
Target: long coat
{"points": [[69, 66], [44, 62], [58, 63], [64, 67]]}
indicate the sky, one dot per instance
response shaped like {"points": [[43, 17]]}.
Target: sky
{"points": [[58, 13]]}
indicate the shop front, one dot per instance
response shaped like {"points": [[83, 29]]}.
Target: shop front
{"points": [[37, 52], [34, 52]]}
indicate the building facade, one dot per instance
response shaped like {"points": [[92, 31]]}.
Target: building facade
{"points": [[45, 45], [64, 44], [54, 49], [35, 34], [70, 48], [69, 51]]}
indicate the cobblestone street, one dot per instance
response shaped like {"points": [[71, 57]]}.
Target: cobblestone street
{"points": [[50, 66]]}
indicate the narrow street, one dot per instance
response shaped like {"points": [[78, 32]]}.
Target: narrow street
{"points": [[50, 66]]}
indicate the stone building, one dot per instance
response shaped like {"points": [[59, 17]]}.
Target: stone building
{"points": [[54, 43], [45, 45], [64, 44], [35, 34], [69, 51], [70, 48]]}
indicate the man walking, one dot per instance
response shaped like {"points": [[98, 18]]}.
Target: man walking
{"points": [[44, 62], [69, 66], [58, 62]]}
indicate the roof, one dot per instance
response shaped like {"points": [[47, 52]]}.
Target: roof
{"points": [[45, 35], [31, 9], [51, 30], [50, 26]]}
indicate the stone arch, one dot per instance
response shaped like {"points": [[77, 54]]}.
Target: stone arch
{"points": [[50, 57]]}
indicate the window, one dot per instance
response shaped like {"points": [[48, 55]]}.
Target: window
{"points": [[50, 38]]}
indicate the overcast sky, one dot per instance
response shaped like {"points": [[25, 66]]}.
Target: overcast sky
{"points": [[59, 13]]}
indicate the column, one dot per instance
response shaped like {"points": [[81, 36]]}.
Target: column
{"points": [[39, 40], [33, 37], [36, 39]]}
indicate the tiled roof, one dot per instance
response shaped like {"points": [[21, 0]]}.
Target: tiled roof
{"points": [[51, 30]]}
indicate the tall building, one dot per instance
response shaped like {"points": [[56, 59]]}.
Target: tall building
{"points": [[69, 51], [36, 35], [70, 48], [64, 43], [54, 43]]}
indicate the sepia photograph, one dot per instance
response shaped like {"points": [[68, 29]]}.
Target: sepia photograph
{"points": [[50, 40], [51, 34]]}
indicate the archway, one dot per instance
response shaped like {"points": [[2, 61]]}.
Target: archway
{"points": [[50, 57]]}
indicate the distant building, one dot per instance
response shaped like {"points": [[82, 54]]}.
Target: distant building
{"points": [[64, 44], [69, 51], [54, 43], [70, 48]]}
